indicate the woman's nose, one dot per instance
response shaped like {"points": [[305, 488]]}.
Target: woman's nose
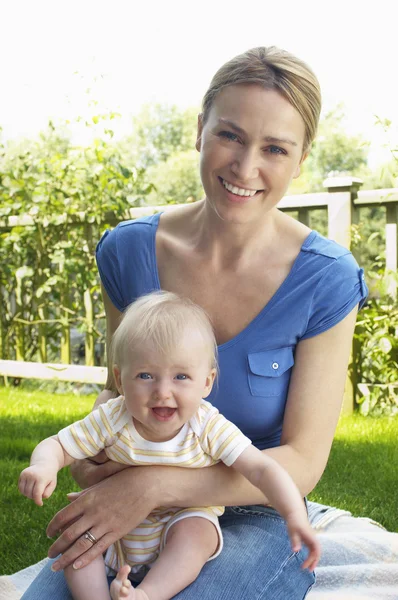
{"points": [[245, 166]]}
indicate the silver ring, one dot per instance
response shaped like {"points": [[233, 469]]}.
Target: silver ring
{"points": [[90, 537]]}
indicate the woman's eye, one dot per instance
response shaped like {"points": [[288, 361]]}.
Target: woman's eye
{"points": [[276, 150], [229, 136], [181, 376], [144, 375]]}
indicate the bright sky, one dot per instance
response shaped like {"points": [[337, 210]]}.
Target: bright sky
{"points": [[168, 50]]}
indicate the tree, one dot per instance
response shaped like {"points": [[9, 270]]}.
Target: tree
{"points": [[334, 152], [176, 180], [160, 131]]}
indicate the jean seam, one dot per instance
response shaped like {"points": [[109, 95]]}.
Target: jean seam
{"points": [[255, 513], [281, 568], [309, 589]]}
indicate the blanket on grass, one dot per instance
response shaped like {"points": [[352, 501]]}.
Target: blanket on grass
{"points": [[359, 560]]}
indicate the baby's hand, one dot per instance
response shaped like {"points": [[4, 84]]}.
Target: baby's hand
{"points": [[37, 482], [301, 532]]}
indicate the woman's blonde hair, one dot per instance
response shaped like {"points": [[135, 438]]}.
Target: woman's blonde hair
{"points": [[272, 69], [161, 319]]}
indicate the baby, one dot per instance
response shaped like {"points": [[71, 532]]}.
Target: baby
{"points": [[164, 364]]}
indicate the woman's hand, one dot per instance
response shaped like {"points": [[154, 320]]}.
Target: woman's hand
{"points": [[108, 510], [90, 471]]}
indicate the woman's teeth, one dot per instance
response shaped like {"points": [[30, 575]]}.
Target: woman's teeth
{"points": [[236, 190]]}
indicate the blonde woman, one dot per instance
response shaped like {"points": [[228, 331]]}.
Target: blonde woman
{"points": [[283, 302]]}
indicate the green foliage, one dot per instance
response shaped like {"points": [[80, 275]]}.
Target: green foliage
{"points": [[160, 131], [163, 142], [376, 345], [50, 263], [334, 152], [176, 180]]}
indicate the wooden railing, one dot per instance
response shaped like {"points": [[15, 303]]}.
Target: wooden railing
{"points": [[342, 200]]}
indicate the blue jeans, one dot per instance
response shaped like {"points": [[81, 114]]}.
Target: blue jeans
{"points": [[257, 563]]}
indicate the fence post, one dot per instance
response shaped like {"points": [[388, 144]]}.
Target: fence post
{"points": [[392, 244], [89, 319], [341, 215]]}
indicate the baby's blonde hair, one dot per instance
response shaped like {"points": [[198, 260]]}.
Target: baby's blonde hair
{"points": [[161, 319]]}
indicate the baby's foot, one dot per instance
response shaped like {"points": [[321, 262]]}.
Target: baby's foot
{"points": [[121, 588]]}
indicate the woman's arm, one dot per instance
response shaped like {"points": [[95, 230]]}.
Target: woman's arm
{"points": [[312, 411]]}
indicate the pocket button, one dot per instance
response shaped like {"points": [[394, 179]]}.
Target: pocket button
{"points": [[275, 365]]}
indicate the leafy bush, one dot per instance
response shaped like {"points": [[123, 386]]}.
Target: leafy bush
{"points": [[376, 351], [48, 279]]}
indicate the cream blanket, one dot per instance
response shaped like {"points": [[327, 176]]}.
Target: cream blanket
{"points": [[359, 561]]}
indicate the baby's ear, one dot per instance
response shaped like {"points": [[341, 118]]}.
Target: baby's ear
{"points": [[118, 378], [209, 382]]}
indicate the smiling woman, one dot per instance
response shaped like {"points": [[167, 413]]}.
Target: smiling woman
{"points": [[253, 144], [282, 301]]}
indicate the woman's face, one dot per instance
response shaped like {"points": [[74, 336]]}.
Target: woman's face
{"points": [[251, 148]]}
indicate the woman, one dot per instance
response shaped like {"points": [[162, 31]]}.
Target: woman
{"points": [[283, 301]]}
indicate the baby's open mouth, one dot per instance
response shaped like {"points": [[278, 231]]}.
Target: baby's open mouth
{"points": [[164, 412]]}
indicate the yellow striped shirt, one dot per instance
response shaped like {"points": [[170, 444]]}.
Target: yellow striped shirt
{"points": [[206, 439]]}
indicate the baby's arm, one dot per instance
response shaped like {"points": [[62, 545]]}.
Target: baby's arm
{"points": [[283, 494], [40, 479]]}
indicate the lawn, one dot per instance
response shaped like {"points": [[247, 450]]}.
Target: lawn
{"points": [[361, 476]]}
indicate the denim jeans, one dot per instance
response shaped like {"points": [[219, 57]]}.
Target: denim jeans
{"points": [[257, 563]]}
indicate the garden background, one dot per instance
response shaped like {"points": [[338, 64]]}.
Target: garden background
{"points": [[62, 187]]}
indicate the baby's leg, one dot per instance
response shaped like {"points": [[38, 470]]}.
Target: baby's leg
{"points": [[189, 545], [89, 582]]}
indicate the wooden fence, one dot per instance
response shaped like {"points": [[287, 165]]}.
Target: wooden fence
{"points": [[342, 200]]}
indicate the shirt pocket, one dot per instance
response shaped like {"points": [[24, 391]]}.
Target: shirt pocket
{"points": [[269, 371]]}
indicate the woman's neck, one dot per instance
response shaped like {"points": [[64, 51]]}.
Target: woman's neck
{"points": [[233, 244]]}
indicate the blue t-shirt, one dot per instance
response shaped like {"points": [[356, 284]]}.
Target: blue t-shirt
{"points": [[323, 286]]}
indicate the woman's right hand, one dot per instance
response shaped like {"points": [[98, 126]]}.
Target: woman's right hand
{"points": [[109, 510], [90, 471]]}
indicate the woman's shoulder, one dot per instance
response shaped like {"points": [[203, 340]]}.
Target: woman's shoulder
{"points": [[316, 243]]}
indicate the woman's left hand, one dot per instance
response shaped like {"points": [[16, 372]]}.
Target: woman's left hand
{"points": [[108, 510]]}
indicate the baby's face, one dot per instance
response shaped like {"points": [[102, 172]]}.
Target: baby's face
{"points": [[163, 392]]}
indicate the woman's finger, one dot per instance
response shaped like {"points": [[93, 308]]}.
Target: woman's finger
{"points": [[79, 548], [71, 538], [99, 548], [64, 518], [73, 496]]}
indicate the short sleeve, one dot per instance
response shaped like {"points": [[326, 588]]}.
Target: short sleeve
{"points": [[109, 267], [220, 438], [95, 432], [341, 288]]}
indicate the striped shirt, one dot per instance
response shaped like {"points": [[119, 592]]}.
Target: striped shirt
{"points": [[206, 439]]}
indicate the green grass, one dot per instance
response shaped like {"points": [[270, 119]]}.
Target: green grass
{"points": [[362, 472], [361, 476]]}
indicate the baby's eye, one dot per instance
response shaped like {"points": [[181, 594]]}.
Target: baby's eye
{"points": [[144, 375], [181, 376], [232, 137]]}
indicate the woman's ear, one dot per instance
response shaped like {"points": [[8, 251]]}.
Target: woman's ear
{"points": [[199, 132], [298, 170], [118, 379]]}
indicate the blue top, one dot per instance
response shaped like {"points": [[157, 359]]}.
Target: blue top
{"points": [[323, 286]]}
